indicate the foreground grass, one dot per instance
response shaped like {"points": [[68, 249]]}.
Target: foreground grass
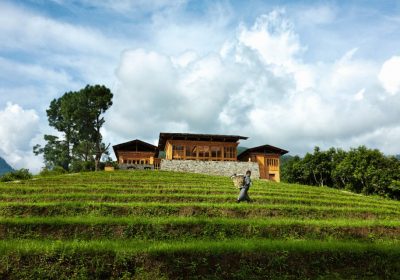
{"points": [[233, 259], [164, 225], [190, 228]]}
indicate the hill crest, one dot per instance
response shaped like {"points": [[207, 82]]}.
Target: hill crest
{"points": [[4, 167]]}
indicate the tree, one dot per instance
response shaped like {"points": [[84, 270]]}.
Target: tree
{"points": [[292, 171], [360, 170], [94, 102], [61, 116], [79, 118], [319, 166], [54, 152]]}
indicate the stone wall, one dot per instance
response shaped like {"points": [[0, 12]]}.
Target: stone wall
{"points": [[223, 168]]}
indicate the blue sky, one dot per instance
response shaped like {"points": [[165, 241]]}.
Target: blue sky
{"points": [[293, 74]]}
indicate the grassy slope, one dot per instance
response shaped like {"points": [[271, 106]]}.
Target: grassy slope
{"points": [[171, 225]]}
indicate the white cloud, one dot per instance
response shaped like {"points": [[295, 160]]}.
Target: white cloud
{"points": [[201, 71], [18, 127], [48, 57], [258, 86], [21, 29], [58, 51], [13, 71], [316, 15], [389, 75], [359, 96], [272, 38]]}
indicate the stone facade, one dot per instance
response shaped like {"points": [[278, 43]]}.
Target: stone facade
{"points": [[223, 168]]}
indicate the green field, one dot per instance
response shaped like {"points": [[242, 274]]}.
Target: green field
{"points": [[163, 225]]}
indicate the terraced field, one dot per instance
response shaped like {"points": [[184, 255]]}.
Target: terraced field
{"points": [[162, 225]]}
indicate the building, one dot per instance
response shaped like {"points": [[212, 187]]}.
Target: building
{"points": [[201, 153], [186, 146], [268, 159], [136, 154]]}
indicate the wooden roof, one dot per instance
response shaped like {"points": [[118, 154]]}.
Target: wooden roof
{"points": [[135, 146], [164, 137], [264, 149]]}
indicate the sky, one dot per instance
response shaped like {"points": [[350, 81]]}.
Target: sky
{"points": [[292, 74]]}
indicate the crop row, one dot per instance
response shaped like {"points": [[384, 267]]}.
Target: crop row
{"points": [[181, 197], [232, 245], [150, 209], [259, 188], [173, 228], [9, 192]]}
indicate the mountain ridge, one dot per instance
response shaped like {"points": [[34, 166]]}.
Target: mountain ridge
{"points": [[4, 167]]}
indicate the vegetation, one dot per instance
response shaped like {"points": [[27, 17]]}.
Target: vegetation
{"points": [[164, 225], [22, 174], [359, 170], [78, 116]]}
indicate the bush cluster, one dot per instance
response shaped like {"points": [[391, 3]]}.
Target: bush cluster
{"points": [[58, 170], [22, 174], [359, 170]]}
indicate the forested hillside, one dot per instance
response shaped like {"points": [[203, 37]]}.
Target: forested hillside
{"points": [[4, 167]]}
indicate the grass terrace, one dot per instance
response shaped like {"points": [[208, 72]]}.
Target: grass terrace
{"points": [[164, 225]]}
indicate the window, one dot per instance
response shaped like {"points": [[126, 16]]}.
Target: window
{"points": [[191, 151], [230, 152], [204, 152], [216, 152], [177, 151], [272, 162]]}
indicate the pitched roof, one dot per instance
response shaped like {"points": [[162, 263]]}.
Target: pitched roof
{"points": [[135, 146], [164, 136], [264, 149]]}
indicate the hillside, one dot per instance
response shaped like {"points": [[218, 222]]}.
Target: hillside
{"points": [[4, 167], [162, 225]]}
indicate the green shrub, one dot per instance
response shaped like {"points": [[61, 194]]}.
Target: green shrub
{"points": [[395, 190], [22, 174], [58, 170], [81, 166]]}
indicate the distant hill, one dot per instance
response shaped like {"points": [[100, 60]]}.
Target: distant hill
{"points": [[4, 167], [286, 158], [398, 157], [241, 149]]}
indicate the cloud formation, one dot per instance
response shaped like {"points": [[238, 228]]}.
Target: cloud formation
{"points": [[256, 85], [295, 76], [389, 75], [48, 56], [17, 130]]}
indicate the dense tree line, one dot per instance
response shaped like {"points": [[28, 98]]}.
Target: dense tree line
{"points": [[360, 170], [78, 117]]}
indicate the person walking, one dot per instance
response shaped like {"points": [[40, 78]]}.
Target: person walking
{"points": [[243, 194]]}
